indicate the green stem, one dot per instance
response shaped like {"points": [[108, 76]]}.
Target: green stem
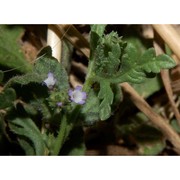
{"points": [[61, 136], [65, 126], [89, 77]]}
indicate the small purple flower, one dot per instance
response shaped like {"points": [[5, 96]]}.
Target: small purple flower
{"points": [[59, 104], [50, 81], [77, 95]]}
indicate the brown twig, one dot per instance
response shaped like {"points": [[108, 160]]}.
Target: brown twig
{"points": [[157, 120]]}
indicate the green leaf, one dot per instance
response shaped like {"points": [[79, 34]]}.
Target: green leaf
{"points": [[98, 29], [152, 149], [25, 127], [135, 69], [107, 96], [11, 55], [133, 37], [90, 110], [50, 140], [46, 63], [7, 97], [25, 79], [149, 86], [107, 55], [26, 145], [39, 104], [97, 32], [30, 109]]}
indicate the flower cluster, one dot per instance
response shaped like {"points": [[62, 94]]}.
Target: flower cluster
{"points": [[77, 95]]}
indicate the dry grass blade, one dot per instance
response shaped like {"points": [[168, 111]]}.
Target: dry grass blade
{"points": [[170, 36], [167, 85], [158, 43], [74, 81], [157, 120], [54, 40], [75, 37]]}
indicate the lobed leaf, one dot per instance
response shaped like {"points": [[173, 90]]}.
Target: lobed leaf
{"points": [[106, 96], [25, 127], [97, 32], [135, 69], [90, 110], [107, 55]]}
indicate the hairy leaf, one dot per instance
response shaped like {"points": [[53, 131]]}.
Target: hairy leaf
{"points": [[11, 55], [27, 128], [97, 32], [106, 96], [7, 97], [98, 29], [46, 63], [149, 86], [107, 55], [135, 69], [90, 110], [26, 79]]}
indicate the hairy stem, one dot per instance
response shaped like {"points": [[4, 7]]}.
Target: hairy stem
{"points": [[61, 136]]}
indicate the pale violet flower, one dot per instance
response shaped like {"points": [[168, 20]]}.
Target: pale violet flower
{"points": [[50, 81], [77, 95], [59, 104]]}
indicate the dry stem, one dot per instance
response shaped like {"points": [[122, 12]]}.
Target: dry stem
{"points": [[75, 37], [170, 36], [166, 78], [157, 120], [167, 85]]}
